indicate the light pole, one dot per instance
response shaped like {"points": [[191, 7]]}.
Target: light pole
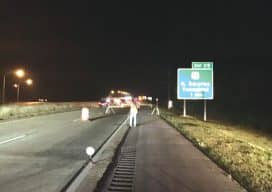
{"points": [[29, 82], [20, 73], [17, 86], [3, 89]]}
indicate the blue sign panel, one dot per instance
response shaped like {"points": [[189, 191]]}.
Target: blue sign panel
{"points": [[195, 84]]}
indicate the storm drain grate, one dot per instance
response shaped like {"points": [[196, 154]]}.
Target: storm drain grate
{"points": [[124, 172]]}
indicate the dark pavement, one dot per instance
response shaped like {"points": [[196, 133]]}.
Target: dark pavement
{"points": [[42, 153], [166, 161]]}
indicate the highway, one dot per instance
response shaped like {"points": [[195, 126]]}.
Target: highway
{"points": [[42, 153], [156, 157]]}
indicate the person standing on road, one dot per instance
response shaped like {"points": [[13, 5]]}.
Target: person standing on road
{"points": [[133, 114], [156, 108]]}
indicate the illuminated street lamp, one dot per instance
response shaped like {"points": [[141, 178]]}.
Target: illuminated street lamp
{"points": [[15, 85], [20, 73], [29, 82]]}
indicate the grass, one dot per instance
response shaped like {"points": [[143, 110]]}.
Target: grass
{"points": [[14, 111], [245, 154]]}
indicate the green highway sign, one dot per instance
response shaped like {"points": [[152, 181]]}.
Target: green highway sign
{"points": [[195, 84], [202, 65]]}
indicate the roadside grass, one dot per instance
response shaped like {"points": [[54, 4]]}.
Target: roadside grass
{"points": [[15, 111], [245, 154]]}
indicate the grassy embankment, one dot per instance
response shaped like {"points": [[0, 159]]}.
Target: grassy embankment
{"points": [[245, 154], [14, 111]]}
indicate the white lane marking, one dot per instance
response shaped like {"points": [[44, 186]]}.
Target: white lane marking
{"points": [[75, 120], [15, 138]]}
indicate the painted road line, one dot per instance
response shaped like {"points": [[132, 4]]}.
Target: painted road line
{"points": [[75, 120], [13, 139]]}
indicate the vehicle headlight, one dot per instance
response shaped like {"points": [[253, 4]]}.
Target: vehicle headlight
{"points": [[116, 100]]}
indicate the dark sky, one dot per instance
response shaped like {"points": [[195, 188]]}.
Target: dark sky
{"points": [[79, 50]]}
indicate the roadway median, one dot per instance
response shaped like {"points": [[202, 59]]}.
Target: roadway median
{"points": [[245, 155]]}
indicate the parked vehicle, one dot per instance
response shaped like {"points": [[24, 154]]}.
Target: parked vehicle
{"points": [[103, 102], [116, 98]]}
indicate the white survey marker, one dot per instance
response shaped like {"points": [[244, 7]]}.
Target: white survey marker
{"points": [[85, 114], [90, 151]]}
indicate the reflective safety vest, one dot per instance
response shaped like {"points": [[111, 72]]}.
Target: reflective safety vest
{"points": [[133, 109]]}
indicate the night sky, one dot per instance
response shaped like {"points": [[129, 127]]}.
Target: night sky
{"points": [[79, 50]]}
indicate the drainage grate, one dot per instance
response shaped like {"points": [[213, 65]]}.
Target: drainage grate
{"points": [[123, 174]]}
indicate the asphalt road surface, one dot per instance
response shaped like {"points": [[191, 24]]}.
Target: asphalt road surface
{"points": [[43, 153], [164, 161]]}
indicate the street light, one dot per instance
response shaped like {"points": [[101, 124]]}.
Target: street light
{"points": [[19, 73], [17, 86], [29, 82]]}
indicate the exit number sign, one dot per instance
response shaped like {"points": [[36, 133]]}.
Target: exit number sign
{"points": [[202, 65]]}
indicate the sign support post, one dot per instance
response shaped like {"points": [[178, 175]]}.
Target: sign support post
{"points": [[184, 108], [205, 110]]}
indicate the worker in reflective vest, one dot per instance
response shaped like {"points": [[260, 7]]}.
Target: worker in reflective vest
{"points": [[133, 114]]}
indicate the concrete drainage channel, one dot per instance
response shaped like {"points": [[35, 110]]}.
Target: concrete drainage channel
{"points": [[120, 176], [123, 175]]}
